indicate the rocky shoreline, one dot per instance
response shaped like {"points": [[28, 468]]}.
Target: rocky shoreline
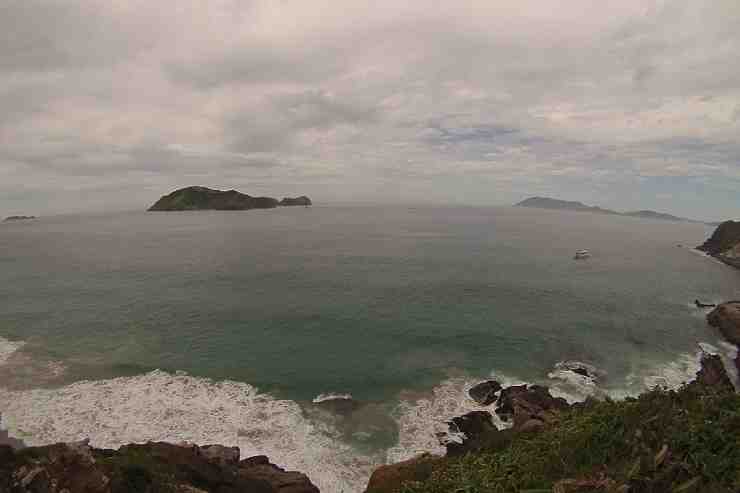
{"points": [[531, 411], [150, 467]]}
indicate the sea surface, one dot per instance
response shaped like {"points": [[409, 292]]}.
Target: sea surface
{"points": [[254, 328]]}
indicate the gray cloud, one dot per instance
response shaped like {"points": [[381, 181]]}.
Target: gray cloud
{"points": [[391, 101]]}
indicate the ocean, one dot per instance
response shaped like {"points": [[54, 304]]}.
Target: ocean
{"points": [[253, 328]]}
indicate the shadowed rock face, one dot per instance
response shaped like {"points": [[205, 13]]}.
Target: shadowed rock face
{"points": [[145, 468], [484, 393], [202, 198], [724, 238], [726, 317]]}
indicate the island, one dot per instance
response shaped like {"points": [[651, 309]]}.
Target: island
{"points": [[571, 205], [302, 200], [18, 218], [203, 198]]}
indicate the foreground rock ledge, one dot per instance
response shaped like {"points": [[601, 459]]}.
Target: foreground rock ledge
{"points": [[144, 468]]}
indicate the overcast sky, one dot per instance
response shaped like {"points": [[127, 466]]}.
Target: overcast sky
{"points": [[108, 104]]}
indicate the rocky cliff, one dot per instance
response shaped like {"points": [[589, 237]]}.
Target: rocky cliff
{"points": [[202, 198], [724, 244], [144, 468]]}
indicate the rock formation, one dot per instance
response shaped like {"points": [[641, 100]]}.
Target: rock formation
{"points": [[484, 393], [724, 244], [726, 318], [150, 467]]}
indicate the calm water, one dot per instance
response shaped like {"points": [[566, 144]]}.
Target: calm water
{"points": [[399, 307]]}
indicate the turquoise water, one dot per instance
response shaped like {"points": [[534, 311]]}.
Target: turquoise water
{"points": [[378, 302]]}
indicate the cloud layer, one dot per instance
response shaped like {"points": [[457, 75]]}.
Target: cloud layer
{"points": [[107, 103]]}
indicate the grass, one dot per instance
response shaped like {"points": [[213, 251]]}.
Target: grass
{"points": [[664, 441]]}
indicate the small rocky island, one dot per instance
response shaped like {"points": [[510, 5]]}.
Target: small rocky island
{"points": [[18, 218], [203, 198]]}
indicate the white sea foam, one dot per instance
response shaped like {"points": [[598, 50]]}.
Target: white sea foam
{"points": [[7, 348], [422, 418], [573, 386], [330, 396], [162, 406]]}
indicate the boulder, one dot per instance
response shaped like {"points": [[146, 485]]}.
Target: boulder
{"points": [[713, 374], [726, 317], [473, 432], [523, 403], [484, 393], [389, 478], [221, 455]]}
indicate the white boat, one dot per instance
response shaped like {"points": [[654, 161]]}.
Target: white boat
{"points": [[581, 254]]}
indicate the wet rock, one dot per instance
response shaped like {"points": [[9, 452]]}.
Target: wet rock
{"points": [[280, 480], [713, 374], [522, 403], [221, 455], [726, 317], [390, 478], [484, 393], [473, 432]]}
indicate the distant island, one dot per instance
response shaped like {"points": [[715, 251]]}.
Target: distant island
{"points": [[19, 218], [202, 198], [569, 205]]}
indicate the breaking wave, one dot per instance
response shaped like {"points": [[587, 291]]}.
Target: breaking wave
{"points": [[160, 406]]}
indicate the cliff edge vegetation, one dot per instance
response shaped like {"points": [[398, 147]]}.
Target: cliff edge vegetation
{"points": [[662, 441]]}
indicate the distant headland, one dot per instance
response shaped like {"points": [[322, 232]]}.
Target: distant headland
{"points": [[202, 198], [19, 218], [569, 205]]}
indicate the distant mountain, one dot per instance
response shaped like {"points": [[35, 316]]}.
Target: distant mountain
{"points": [[568, 205], [202, 198], [19, 218]]}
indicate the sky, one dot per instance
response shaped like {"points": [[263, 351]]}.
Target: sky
{"points": [[109, 104]]}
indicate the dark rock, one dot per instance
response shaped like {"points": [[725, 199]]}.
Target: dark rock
{"points": [[202, 198], [484, 393], [221, 455], [390, 478], [522, 403], [726, 317], [150, 467], [280, 480], [302, 200], [713, 374], [473, 432]]}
